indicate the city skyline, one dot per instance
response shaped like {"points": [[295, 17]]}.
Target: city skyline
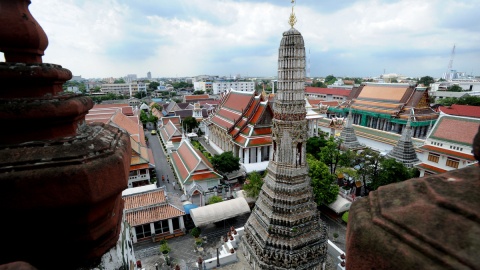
{"points": [[108, 38]]}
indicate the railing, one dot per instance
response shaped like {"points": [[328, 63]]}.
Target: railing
{"points": [[139, 177]]}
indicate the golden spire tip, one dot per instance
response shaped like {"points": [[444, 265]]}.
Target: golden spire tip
{"points": [[292, 19]]}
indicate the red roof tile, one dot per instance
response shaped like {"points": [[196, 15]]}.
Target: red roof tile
{"points": [[448, 152], [205, 176], [138, 166], [221, 122], [144, 199], [196, 97], [327, 91], [456, 129], [152, 214], [188, 157], [260, 141], [177, 162], [461, 110], [258, 114], [238, 101], [241, 140], [430, 168], [262, 131], [128, 111], [229, 114]]}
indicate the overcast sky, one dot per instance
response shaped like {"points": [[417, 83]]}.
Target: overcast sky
{"points": [[113, 38]]}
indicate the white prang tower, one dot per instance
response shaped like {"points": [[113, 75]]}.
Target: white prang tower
{"points": [[284, 230]]}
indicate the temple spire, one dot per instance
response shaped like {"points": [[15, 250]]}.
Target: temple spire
{"points": [[348, 136], [404, 151], [293, 19]]}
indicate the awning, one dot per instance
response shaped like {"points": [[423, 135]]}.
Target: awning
{"points": [[189, 207], [219, 211], [340, 205]]}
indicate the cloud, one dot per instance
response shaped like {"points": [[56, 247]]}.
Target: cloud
{"points": [[189, 37]]}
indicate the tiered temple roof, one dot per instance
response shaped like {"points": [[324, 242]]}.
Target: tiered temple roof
{"points": [[191, 165], [246, 117]]}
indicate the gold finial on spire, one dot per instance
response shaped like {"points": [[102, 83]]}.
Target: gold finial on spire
{"points": [[292, 19]]}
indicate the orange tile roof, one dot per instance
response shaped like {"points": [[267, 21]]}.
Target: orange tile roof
{"points": [[144, 199], [238, 101], [177, 163], [188, 157], [461, 110], [125, 123], [241, 140], [258, 114], [205, 176], [221, 122], [456, 129], [138, 166], [195, 97], [152, 214], [128, 111], [262, 131], [448, 152], [260, 141], [327, 91], [430, 168], [384, 92], [229, 115], [175, 120]]}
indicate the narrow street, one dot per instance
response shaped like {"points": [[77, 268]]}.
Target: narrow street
{"points": [[162, 167]]}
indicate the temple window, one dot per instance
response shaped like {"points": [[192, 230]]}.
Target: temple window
{"points": [[433, 157], [452, 162]]}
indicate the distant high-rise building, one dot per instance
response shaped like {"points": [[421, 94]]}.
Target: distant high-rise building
{"points": [[149, 75]]}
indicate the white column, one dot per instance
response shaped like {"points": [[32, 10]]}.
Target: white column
{"points": [[182, 224], [259, 154], [270, 152], [152, 228], [170, 225], [240, 154], [247, 156], [134, 233]]}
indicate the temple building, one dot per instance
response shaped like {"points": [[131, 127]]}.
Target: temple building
{"points": [[387, 107], [448, 145], [284, 230], [150, 215], [194, 173], [404, 151], [242, 124], [312, 119]]}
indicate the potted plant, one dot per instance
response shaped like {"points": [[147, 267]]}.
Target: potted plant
{"points": [[195, 232], [335, 236], [232, 250], [164, 248], [198, 242]]}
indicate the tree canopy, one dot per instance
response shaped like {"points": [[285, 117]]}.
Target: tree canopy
{"points": [[178, 85], [331, 155], [323, 182], [330, 79], [189, 123], [391, 171], [153, 86], [215, 199], [454, 88], [253, 185], [314, 144], [121, 80], [426, 80], [465, 100], [199, 92], [226, 162], [319, 84]]}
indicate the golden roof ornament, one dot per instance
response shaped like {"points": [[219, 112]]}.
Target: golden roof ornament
{"points": [[292, 19]]}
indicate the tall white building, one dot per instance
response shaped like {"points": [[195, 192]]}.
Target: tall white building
{"points": [[223, 86]]}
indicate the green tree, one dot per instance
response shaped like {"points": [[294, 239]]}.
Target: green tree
{"points": [[448, 101], [330, 79], [226, 162], [121, 80], [189, 123], [331, 155], [314, 144], [153, 86], [143, 117], [345, 217], [426, 80], [319, 84], [198, 92], [391, 171], [368, 162], [324, 187], [97, 89], [253, 185], [215, 199], [455, 88]]}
